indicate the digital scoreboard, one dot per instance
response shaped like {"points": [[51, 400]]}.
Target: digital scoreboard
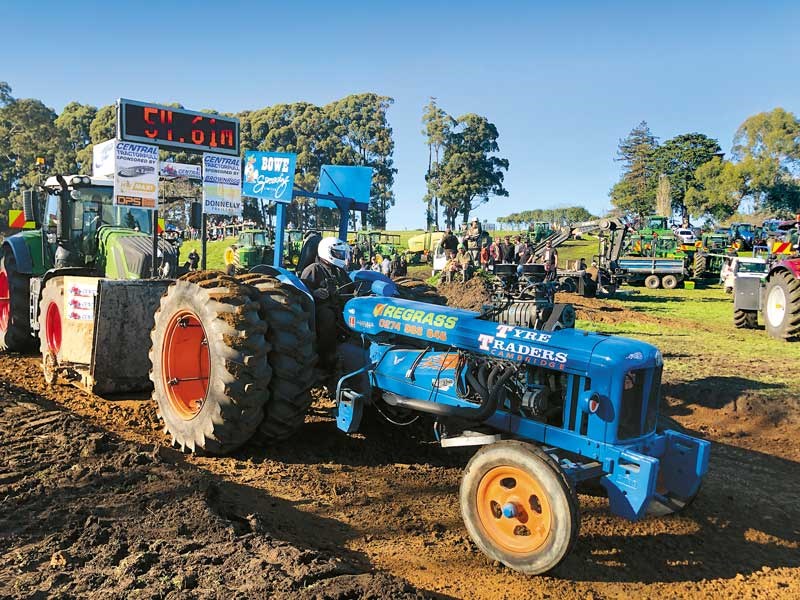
{"points": [[176, 128]]}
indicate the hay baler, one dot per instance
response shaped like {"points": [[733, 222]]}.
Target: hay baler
{"points": [[552, 408]]}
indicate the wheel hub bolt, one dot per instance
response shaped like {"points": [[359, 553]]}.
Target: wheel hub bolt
{"points": [[509, 510]]}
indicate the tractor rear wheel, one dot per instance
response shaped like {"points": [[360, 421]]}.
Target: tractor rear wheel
{"points": [[700, 265], [290, 334], [652, 282], [670, 282], [782, 306], [209, 355], [745, 319], [415, 289], [518, 507], [15, 328]]}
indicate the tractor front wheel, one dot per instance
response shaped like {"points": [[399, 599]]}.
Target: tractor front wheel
{"points": [[782, 306], [209, 357], [518, 507], [745, 319], [15, 329], [652, 282], [51, 324], [700, 265]]}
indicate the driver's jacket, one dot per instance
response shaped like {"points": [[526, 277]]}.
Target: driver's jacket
{"points": [[320, 275]]}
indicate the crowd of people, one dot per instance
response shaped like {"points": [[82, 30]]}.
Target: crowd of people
{"points": [[463, 257]]}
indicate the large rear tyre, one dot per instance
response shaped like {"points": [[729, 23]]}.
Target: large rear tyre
{"points": [[518, 507], [652, 282], [209, 357], [700, 265], [745, 319], [782, 306], [414, 289], [292, 357], [15, 327]]}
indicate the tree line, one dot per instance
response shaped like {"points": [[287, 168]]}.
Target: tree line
{"points": [[691, 176], [565, 216], [351, 131]]}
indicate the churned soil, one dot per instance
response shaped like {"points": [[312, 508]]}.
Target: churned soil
{"points": [[94, 503]]}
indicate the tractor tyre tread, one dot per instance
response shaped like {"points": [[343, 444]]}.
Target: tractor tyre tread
{"points": [[790, 327], [239, 372], [292, 356], [745, 319], [18, 337]]}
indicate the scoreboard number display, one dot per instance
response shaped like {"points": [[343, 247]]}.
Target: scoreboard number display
{"points": [[176, 128]]}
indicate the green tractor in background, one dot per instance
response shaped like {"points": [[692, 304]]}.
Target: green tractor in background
{"points": [[538, 231], [372, 243], [709, 255], [254, 247]]}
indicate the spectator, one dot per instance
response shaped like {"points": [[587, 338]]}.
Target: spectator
{"points": [[484, 256], [194, 260], [375, 265], [449, 243], [550, 259], [460, 263], [363, 265], [386, 266], [507, 251], [495, 254], [519, 247]]}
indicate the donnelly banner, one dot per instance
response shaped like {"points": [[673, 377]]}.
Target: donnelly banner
{"points": [[222, 185], [136, 175], [269, 175]]}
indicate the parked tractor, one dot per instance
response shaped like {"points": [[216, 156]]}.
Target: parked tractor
{"points": [[372, 243], [777, 294], [254, 247]]}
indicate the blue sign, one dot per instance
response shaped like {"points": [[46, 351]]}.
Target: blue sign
{"points": [[346, 182], [269, 175]]}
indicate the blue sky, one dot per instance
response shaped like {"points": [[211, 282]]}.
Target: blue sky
{"points": [[563, 81]]}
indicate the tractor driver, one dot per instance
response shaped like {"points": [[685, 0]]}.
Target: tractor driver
{"points": [[325, 278]]}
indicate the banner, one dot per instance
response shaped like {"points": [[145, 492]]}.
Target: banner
{"points": [[173, 169], [103, 155], [222, 185], [136, 175], [269, 175]]}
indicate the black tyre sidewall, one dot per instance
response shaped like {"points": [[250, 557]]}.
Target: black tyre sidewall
{"points": [[18, 337], [561, 498]]}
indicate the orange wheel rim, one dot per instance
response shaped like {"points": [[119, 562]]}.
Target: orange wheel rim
{"points": [[513, 510], [186, 364]]}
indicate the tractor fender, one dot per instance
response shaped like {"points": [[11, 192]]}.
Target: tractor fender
{"points": [[283, 275], [790, 264], [380, 284], [21, 254]]}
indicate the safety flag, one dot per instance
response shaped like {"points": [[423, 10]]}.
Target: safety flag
{"points": [[16, 220]]}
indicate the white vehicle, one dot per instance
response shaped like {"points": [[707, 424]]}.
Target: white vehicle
{"points": [[439, 260], [686, 236], [744, 267]]}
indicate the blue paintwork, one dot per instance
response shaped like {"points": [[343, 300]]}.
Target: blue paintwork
{"points": [[620, 448], [379, 284]]}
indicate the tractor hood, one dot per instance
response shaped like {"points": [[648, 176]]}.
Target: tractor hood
{"points": [[565, 350], [127, 254]]}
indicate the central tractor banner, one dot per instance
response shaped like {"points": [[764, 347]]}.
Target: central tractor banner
{"points": [[136, 175], [222, 185], [269, 175]]}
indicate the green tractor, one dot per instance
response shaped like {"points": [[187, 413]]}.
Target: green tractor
{"points": [[709, 255], [372, 243], [254, 247], [658, 224], [538, 231], [87, 258]]}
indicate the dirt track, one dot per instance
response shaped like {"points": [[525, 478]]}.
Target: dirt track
{"points": [[323, 512]]}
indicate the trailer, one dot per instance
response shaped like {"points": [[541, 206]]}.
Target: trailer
{"points": [[653, 272]]}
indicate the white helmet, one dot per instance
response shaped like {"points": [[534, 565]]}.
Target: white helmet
{"points": [[334, 251]]}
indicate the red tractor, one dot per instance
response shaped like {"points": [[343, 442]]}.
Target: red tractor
{"points": [[777, 296]]}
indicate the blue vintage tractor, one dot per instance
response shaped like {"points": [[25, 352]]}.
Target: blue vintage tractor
{"points": [[233, 358]]}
